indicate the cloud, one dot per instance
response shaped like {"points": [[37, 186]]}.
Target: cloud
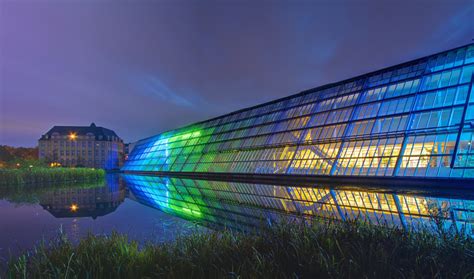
{"points": [[457, 27], [152, 86], [166, 65]]}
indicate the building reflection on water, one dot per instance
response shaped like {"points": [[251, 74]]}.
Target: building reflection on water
{"points": [[84, 201], [244, 206]]}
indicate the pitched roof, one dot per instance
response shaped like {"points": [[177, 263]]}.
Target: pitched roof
{"points": [[82, 130]]}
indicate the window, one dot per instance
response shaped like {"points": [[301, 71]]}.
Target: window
{"points": [[428, 155]]}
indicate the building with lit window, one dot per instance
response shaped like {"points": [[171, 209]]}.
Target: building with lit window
{"points": [[413, 120], [86, 146]]}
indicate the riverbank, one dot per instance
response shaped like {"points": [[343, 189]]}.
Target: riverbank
{"points": [[323, 250], [43, 175]]}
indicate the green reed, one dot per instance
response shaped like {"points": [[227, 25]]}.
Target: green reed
{"points": [[38, 175], [320, 250]]}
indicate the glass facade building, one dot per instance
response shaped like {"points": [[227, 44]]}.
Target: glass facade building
{"points": [[415, 119]]}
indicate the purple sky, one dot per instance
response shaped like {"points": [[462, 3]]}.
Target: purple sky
{"points": [[150, 66]]}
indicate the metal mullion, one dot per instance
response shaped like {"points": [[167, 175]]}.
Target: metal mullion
{"points": [[189, 154], [410, 214], [362, 205], [362, 157], [346, 128], [389, 210], [400, 211], [280, 120], [176, 157], [367, 209], [407, 129], [189, 194], [420, 155], [382, 211], [291, 198], [377, 156], [357, 159], [377, 217], [384, 117], [461, 125], [355, 106], [429, 118], [299, 142], [352, 208], [198, 162], [419, 159], [339, 210]]}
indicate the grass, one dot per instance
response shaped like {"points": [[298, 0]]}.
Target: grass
{"points": [[321, 250], [37, 176]]}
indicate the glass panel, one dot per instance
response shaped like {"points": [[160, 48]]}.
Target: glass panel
{"points": [[311, 127], [428, 155]]}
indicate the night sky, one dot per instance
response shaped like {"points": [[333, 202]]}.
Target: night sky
{"points": [[151, 66]]}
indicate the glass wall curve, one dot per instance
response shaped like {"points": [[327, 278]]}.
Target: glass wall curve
{"points": [[415, 119]]}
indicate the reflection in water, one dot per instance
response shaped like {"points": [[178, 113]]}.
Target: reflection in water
{"points": [[84, 202], [243, 206], [35, 213], [76, 200]]}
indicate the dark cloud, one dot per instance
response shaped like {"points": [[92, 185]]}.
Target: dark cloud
{"points": [[142, 67]]}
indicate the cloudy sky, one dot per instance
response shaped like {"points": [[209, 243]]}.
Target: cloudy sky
{"points": [[143, 67]]}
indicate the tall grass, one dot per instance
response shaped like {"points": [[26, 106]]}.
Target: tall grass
{"points": [[35, 176], [322, 250]]}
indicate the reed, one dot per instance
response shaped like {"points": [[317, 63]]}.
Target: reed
{"points": [[320, 250], [39, 176]]}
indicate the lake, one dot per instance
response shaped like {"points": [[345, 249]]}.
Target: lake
{"points": [[159, 209]]}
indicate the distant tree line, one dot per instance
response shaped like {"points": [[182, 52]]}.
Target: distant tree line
{"points": [[18, 157]]}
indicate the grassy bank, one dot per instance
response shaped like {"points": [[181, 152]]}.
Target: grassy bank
{"points": [[334, 250], [35, 176]]}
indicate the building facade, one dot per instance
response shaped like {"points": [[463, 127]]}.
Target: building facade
{"points": [[415, 119], [86, 146]]}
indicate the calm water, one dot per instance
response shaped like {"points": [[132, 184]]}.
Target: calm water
{"points": [[158, 209]]}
